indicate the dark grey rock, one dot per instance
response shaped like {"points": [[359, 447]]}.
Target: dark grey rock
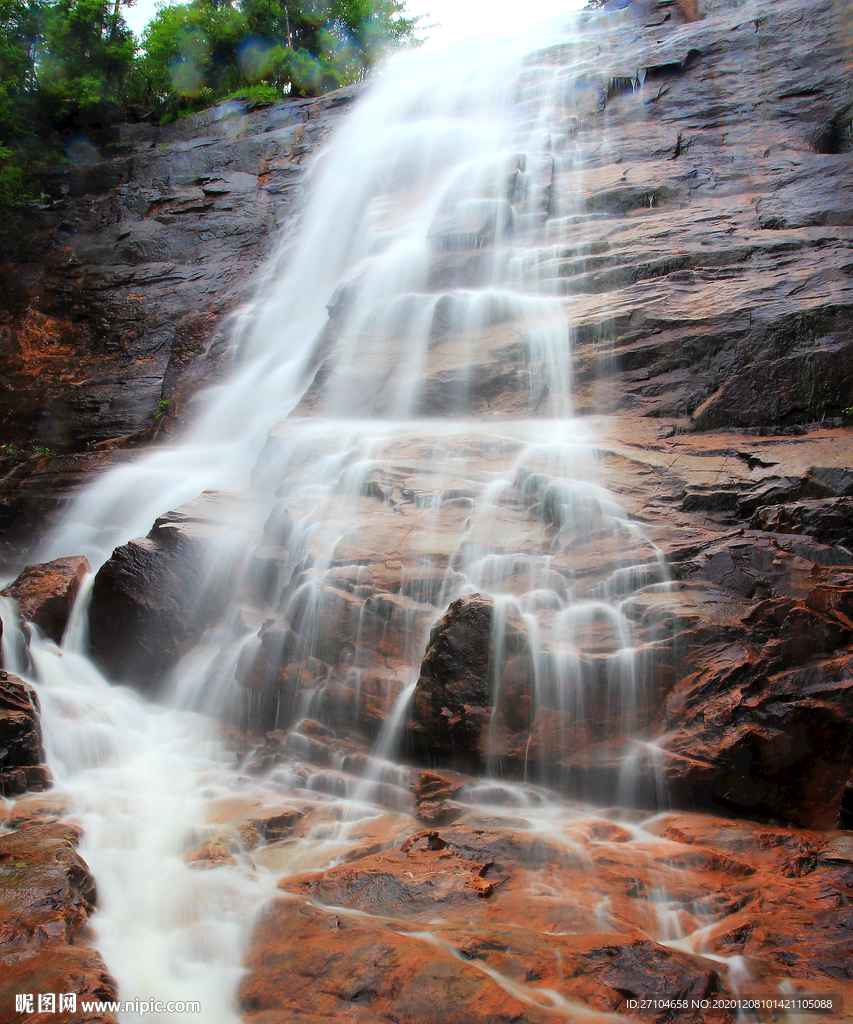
{"points": [[116, 293]]}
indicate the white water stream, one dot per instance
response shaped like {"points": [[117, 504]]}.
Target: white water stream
{"points": [[448, 153]]}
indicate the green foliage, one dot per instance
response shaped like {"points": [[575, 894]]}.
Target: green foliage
{"points": [[14, 186], [18, 20], [11, 451], [259, 95], [17, 27], [162, 408], [188, 57], [198, 53], [83, 56], [69, 69], [63, 68]]}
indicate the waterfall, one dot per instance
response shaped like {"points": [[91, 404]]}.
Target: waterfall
{"points": [[408, 360]]}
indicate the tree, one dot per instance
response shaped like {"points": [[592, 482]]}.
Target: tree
{"points": [[194, 54], [63, 69], [189, 56], [84, 54], [69, 69], [18, 19], [17, 28]]}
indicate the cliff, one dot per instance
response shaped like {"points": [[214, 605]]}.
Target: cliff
{"points": [[118, 293], [708, 288]]}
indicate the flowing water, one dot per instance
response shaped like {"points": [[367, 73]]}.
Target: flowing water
{"points": [[369, 429]]}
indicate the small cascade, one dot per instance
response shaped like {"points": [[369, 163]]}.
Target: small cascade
{"points": [[140, 780]]}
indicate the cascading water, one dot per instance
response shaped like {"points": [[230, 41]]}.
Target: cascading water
{"points": [[398, 429]]}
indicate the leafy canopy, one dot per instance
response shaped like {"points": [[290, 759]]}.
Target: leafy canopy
{"points": [[70, 69], [193, 54]]}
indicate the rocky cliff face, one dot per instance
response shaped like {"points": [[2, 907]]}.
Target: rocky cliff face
{"points": [[117, 292], [708, 288]]}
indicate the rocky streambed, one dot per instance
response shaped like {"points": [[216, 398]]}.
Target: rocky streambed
{"points": [[454, 832]]}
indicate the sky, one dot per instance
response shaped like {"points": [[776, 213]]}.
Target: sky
{"points": [[453, 19]]}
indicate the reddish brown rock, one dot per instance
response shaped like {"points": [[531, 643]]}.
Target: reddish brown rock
{"points": [[755, 716], [211, 855], [50, 893], [761, 721], [21, 750], [435, 792], [359, 701], [458, 720], [45, 902], [344, 968], [45, 593], [498, 922], [828, 520]]}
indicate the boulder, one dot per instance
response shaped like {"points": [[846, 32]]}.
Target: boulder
{"points": [[436, 794], [153, 598], [21, 752], [760, 721], [827, 520], [453, 700], [46, 592]]}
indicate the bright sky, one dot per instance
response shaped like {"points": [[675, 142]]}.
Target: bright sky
{"points": [[458, 19], [461, 19]]}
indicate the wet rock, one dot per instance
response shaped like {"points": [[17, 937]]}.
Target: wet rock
{"points": [[340, 636], [153, 598], [21, 752], [469, 224], [802, 387], [276, 826], [47, 897], [118, 288], [762, 712], [724, 655], [721, 259], [46, 592], [359, 701], [453, 698], [340, 966], [435, 792], [404, 929], [754, 719], [802, 937], [212, 854], [46, 858], [642, 970], [828, 520], [300, 743], [439, 874], [767, 747], [481, 700]]}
